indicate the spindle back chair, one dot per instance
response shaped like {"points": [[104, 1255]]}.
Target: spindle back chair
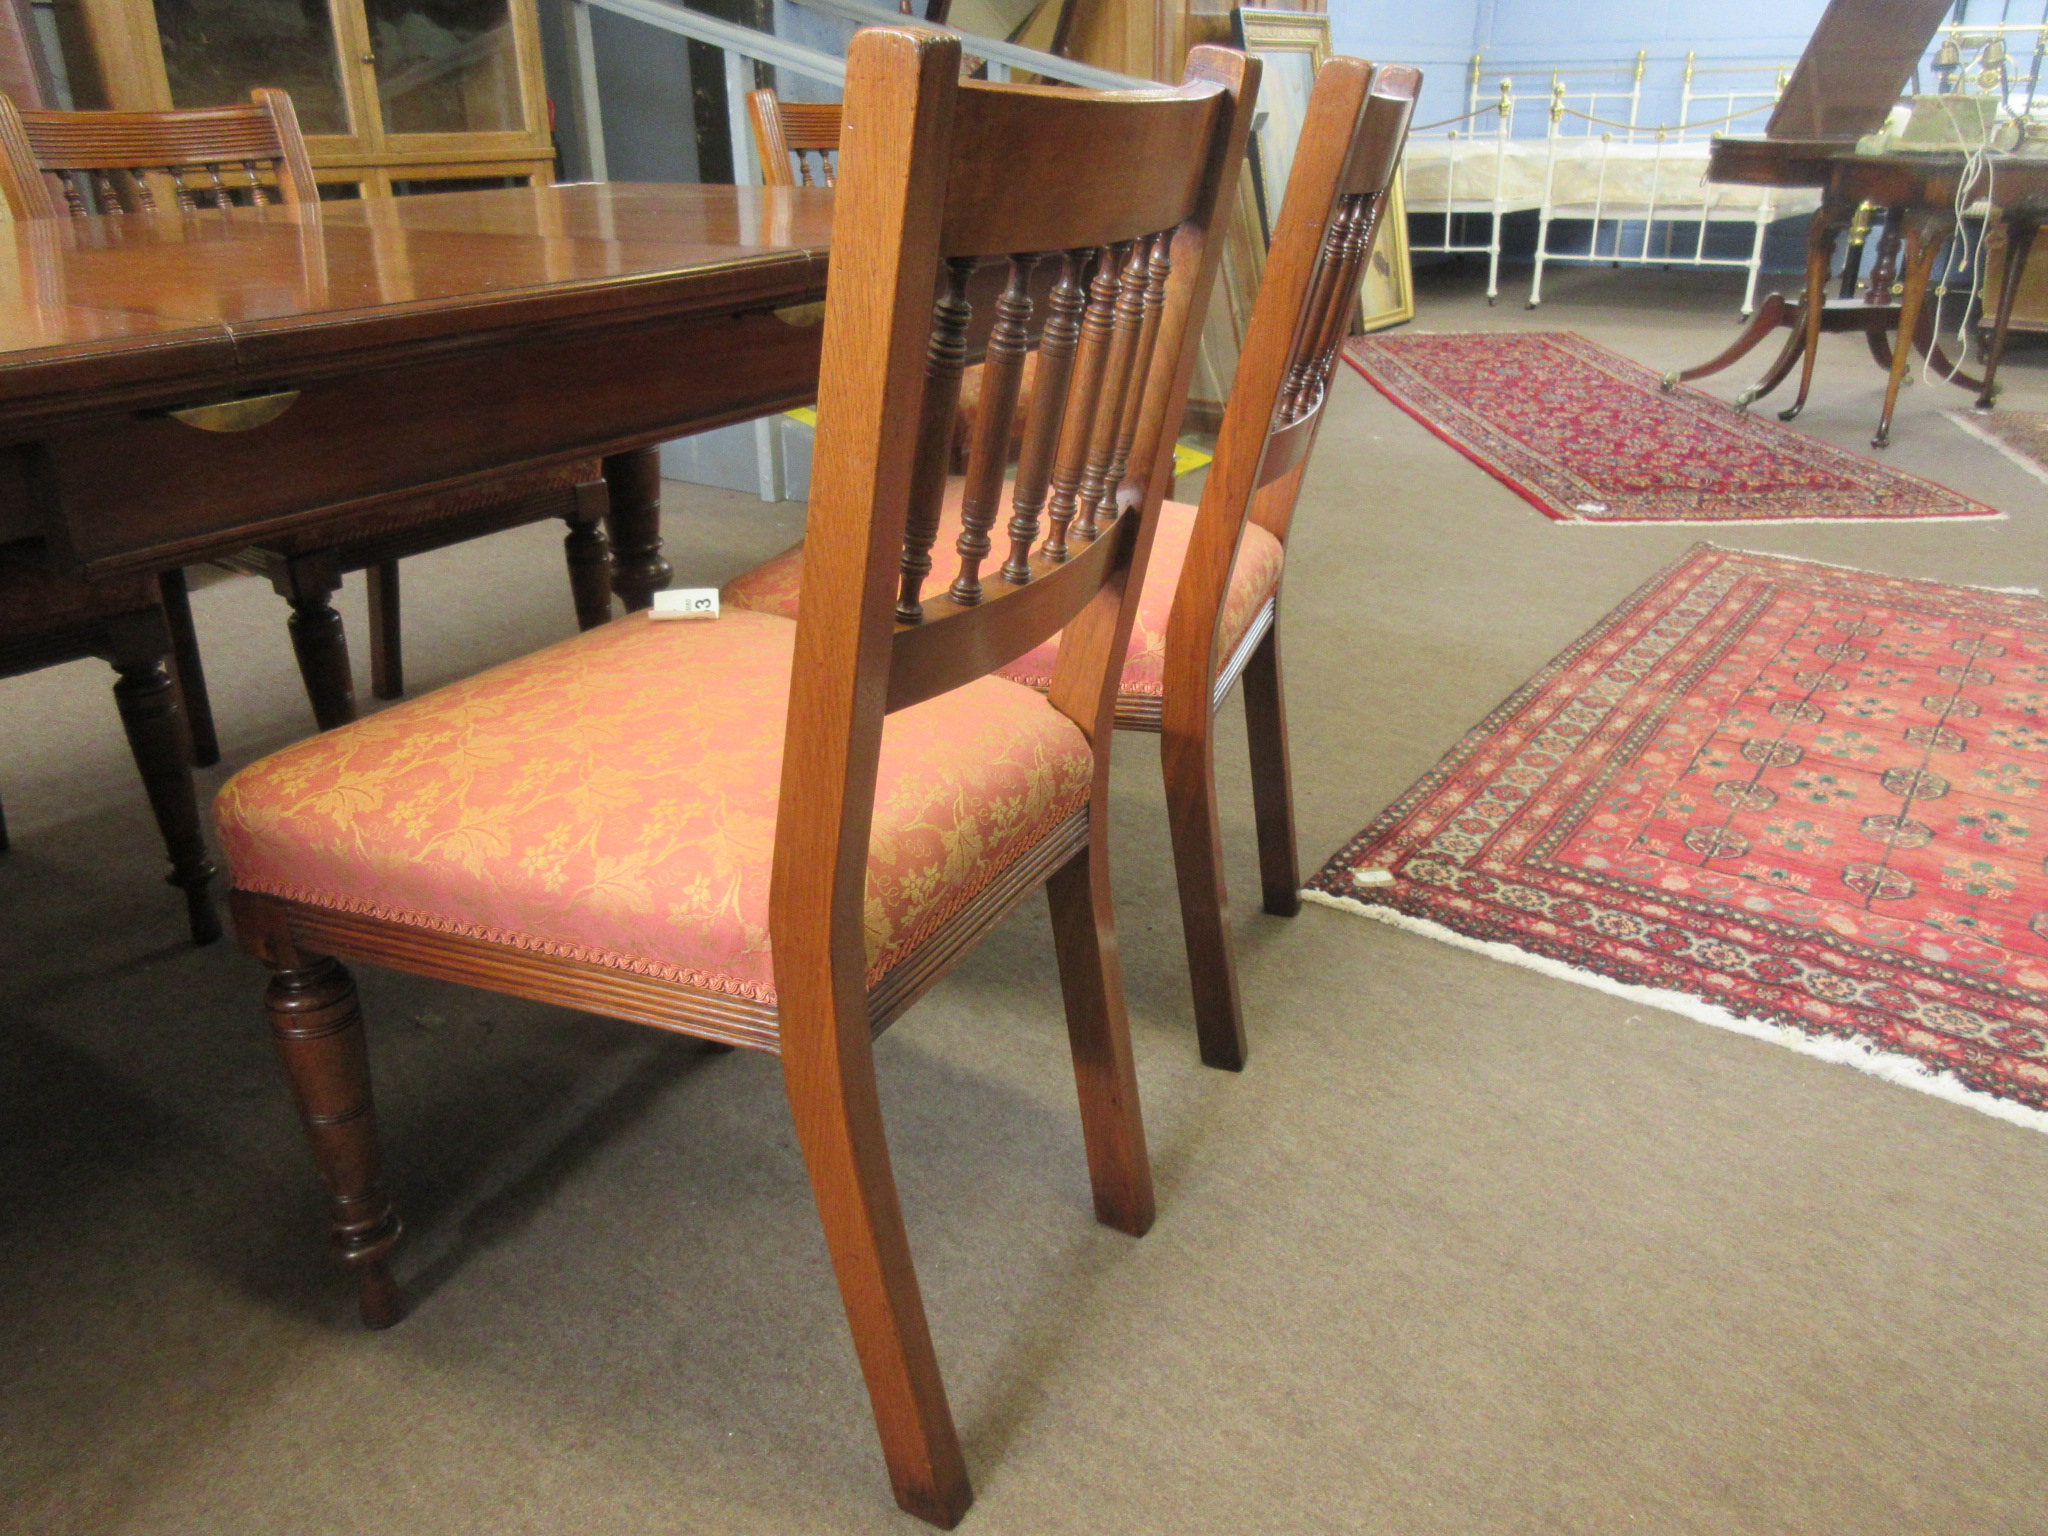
{"points": [[877, 801], [798, 140], [1350, 147], [218, 157], [1208, 612], [129, 162]]}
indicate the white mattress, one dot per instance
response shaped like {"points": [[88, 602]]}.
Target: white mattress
{"points": [[1622, 178]]}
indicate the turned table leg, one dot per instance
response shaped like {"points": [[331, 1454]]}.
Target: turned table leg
{"points": [[1820, 254], [2019, 240], [1926, 233], [638, 570]]}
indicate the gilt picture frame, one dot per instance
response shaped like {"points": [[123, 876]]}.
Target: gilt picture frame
{"points": [[1292, 45]]}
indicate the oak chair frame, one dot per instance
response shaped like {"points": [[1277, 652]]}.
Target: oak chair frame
{"points": [[789, 134], [47, 619], [1337, 192], [78, 163], [933, 184], [1338, 188]]}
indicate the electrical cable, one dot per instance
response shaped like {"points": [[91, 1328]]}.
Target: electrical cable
{"points": [[1977, 161]]}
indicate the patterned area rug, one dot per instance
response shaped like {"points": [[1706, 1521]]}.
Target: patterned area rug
{"points": [[1803, 802], [1589, 437], [2021, 436]]}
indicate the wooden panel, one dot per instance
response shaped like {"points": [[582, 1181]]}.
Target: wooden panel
{"points": [[142, 489], [2030, 307]]}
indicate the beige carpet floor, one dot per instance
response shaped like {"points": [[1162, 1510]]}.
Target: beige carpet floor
{"points": [[1464, 1251]]}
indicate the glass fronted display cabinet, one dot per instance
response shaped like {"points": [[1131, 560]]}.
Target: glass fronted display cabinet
{"points": [[393, 95]]}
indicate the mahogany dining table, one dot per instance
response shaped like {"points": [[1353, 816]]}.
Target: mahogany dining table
{"points": [[177, 385]]}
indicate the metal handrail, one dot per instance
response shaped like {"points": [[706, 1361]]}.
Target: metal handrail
{"points": [[736, 41], [1011, 55], [765, 46]]}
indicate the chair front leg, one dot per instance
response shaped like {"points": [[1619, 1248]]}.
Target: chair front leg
{"points": [[139, 646], [589, 554], [838, 1114], [1187, 756], [318, 1027], [1099, 1034], [319, 639], [1265, 717]]}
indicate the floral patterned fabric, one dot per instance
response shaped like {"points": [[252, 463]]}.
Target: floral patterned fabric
{"points": [[775, 585], [613, 799]]}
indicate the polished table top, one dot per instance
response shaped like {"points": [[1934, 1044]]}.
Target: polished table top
{"points": [[133, 310]]}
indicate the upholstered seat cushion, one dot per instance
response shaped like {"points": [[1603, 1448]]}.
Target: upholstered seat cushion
{"points": [[775, 584], [613, 799]]}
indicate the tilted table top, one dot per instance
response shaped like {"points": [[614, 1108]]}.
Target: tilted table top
{"points": [[137, 309]]}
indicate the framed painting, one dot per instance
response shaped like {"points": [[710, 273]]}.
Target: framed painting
{"points": [[1386, 293], [1292, 45]]}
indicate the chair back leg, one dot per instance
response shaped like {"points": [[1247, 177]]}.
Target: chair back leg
{"points": [[589, 554], [1265, 715], [387, 639], [1187, 756], [187, 670]]}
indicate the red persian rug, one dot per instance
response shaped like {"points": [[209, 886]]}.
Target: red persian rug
{"points": [[1589, 437], [1803, 802]]}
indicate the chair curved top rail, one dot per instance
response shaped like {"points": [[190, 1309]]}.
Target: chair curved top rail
{"points": [[206, 153], [1348, 154]]}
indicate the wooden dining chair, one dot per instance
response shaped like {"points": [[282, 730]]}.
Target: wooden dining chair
{"points": [[798, 140], [83, 163], [1208, 616], [779, 835], [47, 618]]}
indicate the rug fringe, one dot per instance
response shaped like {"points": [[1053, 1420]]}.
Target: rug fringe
{"points": [[2031, 465], [1893, 1068], [1782, 522]]}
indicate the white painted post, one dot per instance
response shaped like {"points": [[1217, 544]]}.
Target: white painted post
{"points": [[1549, 190], [584, 102], [746, 172], [1504, 131]]}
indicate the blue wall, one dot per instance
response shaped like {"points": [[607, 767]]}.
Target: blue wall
{"points": [[1438, 35], [1442, 35]]}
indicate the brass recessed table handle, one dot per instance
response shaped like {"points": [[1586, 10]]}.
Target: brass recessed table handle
{"points": [[242, 415]]}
